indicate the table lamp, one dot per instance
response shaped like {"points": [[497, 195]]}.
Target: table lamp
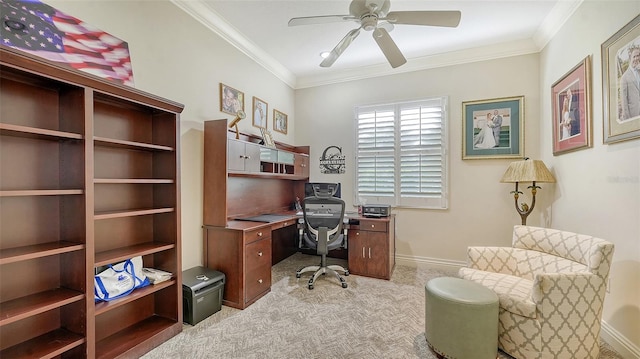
{"points": [[527, 171], [239, 116]]}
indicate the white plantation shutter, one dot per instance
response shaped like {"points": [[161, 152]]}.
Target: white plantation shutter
{"points": [[400, 154]]}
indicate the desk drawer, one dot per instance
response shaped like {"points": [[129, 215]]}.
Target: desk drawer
{"points": [[374, 226], [257, 234], [258, 280], [257, 254], [287, 223]]}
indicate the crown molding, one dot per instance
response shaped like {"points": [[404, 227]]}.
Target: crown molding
{"points": [[557, 17], [496, 51], [199, 10], [216, 23]]}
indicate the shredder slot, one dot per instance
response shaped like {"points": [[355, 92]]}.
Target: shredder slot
{"points": [[208, 288]]}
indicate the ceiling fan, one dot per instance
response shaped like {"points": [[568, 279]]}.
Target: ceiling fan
{"points": [[374, 15]]}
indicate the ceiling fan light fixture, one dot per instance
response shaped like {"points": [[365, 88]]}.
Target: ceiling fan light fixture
{"points": [[369, 22]]}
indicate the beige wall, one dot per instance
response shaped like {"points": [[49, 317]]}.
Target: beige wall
{"points": [[480, 208], [598, 189]]}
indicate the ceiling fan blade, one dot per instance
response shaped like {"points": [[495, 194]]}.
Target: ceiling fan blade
{"points": [[426, 18], [389, 47], [339, 49], [311, 20]]}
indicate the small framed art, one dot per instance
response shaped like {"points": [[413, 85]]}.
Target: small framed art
{"points": [[571, 101], [267, 138], [231, 100], [260, 113], [493, 128], [280, 122], [621, 87]]}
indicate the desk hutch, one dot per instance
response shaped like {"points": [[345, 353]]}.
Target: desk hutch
{"points": [[89, 176]]}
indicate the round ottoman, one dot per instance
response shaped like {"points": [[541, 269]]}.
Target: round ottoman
{"points": [[461, 319]]}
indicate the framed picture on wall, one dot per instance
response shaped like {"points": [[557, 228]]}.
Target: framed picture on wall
{"points": [[621, 89], [280, 122], [571, 101], [493, 128], [231, 100], [260, 113]]}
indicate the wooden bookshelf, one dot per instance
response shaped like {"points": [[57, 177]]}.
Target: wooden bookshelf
{"points": [[89, 176]]}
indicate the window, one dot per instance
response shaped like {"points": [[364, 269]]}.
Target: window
{"points": [[401, 154]]}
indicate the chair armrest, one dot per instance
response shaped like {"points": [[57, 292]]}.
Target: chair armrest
{"points": [[567, 296], [492, 259]]}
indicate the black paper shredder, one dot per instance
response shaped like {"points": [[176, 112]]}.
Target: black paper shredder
{"points": [[202, 290]]}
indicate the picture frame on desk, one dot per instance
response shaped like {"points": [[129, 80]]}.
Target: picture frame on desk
{"points": [[267, 138]]}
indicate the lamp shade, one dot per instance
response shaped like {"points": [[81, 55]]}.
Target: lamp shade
{"points": [[527, 171]]}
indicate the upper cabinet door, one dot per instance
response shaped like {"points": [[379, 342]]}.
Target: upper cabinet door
{"points": [[243, 156], [301, 165]]}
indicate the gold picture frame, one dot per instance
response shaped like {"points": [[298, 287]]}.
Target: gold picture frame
{"points": [[231, 100], [280, 122], [621, 98], [260, 113], [267, 138]]}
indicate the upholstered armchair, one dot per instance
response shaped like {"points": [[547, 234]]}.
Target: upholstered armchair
{"points": [[551, 286]]}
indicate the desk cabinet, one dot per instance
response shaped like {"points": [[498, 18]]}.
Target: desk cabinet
{"points": [[244, 255], [301, 168], [372, 247]]}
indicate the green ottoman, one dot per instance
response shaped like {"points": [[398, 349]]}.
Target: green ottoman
{"points": [[461, 319]]}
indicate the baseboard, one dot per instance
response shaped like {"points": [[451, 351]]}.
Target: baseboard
{"points": [[448, 266], [618, 342]]}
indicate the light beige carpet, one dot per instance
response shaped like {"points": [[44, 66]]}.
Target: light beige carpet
{"points": [[372, 318]]}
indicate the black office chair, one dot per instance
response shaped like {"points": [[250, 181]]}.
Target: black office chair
{"points": [[323, 230]]}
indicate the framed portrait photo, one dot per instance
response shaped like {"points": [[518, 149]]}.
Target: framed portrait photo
{"points": [[260, 113], [571, 101], [280, 122], [493, 128], [621, 84], [231, 100]]}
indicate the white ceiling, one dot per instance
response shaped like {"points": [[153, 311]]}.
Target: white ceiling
{"points": [[488, 29]]}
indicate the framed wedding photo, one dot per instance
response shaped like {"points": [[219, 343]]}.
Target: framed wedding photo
{"points": [[260, 113], [620, 87], [280, 122], [493, 128], [231, 100], [571, 101]]}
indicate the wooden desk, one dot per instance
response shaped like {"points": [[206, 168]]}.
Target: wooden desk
{"points": [[245, 251]]}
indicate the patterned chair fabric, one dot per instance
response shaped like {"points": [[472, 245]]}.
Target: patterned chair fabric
{"points": [[551, 286]]}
